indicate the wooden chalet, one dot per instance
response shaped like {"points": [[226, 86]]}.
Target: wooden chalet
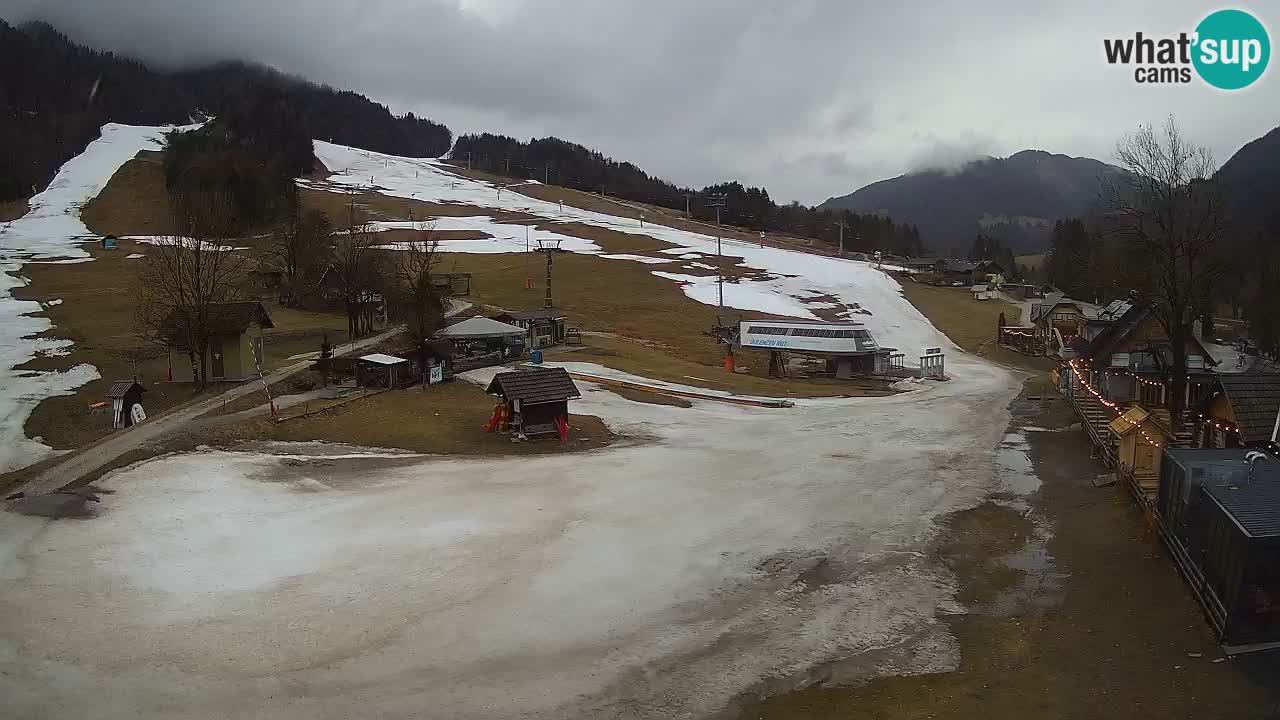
{"points": [[1125, 364], [452, 284], [968, 272], [1058, 324], [235, 341], [1241, 411], [533, 402], [543, 327]]}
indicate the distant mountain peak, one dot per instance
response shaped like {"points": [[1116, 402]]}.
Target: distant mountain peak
{"points": [[1031, 187]]}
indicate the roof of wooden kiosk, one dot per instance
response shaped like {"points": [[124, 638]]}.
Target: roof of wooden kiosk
{"points": [[536, 385], [480, 327], [119, 388], [382, 359]]}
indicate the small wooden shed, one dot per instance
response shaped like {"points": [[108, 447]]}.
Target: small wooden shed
{"points": [[1141, 436], [124, 395], [534, 402], [381, 371]]}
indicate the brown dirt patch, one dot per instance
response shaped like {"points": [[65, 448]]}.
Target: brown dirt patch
{"points": [[447, 418], [134, 201], [374, 206], [650, 398], [651, 213], [390, 237], [13, 209]]}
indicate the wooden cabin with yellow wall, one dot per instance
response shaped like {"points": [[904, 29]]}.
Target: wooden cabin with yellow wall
{"points": [[1141, 436], [1243, 410]]}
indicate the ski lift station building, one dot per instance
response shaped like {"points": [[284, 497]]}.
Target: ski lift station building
{"points": [[848, 346]]}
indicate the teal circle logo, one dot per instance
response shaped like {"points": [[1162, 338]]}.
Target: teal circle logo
{"points": [[1231, 49]]}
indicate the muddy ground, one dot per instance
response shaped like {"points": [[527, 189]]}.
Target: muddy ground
{"points": [[1074, 610]]}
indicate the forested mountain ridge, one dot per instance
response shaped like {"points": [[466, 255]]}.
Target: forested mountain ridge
{"points": [[574, 166], [55, 95], [1014, 199], [1250, 184]]}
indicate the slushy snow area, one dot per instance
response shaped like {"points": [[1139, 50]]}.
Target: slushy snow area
{"points": [[793, 275], [735, 546], [713, 550], [51, 231]]}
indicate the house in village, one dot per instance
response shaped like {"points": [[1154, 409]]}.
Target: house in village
{"points": [[1057, 324], [920, 265], [543, 328], [533, 402], [235, 342], [1128, 361], [371, 306], [452, 284], [1241, 410], [267, 283], [952, 271]]}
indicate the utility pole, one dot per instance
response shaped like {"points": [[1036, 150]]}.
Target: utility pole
{"points": [[546, 174], [686, 205], [508, 166], [842, 225], [468, 159], [548, 247], [717, 201]]}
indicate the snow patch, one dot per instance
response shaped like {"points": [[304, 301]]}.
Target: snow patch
{"points": [[50, 231], [890, 318], [656, 578]]}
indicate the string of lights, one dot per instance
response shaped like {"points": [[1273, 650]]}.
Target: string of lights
{"points": [[1113, 407]]}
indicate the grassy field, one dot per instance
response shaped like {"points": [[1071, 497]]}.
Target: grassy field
{"points": [[1031, 262], [134, 201], [650, 213], [969, 323], [97, 313], [447, 418]]}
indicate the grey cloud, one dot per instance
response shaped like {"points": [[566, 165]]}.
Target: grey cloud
{"points": [[949, 155], [809, 98]]}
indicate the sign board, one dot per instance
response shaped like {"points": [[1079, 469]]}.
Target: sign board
{"points": [[933, 351], [435, 374]]}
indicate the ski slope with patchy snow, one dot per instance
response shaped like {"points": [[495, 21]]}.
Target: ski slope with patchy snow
{"points": [[794, 276], [648, 579], [50, 231]]}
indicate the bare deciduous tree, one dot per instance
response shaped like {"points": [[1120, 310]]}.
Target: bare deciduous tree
{"points": [[1167, 207], [422, 301], [357, 272], [185, 277], [300, 248]]}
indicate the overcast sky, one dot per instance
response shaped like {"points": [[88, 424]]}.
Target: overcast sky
{"points": [[809, 98]]}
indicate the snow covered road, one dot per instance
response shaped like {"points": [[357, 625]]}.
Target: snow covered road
{"points": [[739, 546]]}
